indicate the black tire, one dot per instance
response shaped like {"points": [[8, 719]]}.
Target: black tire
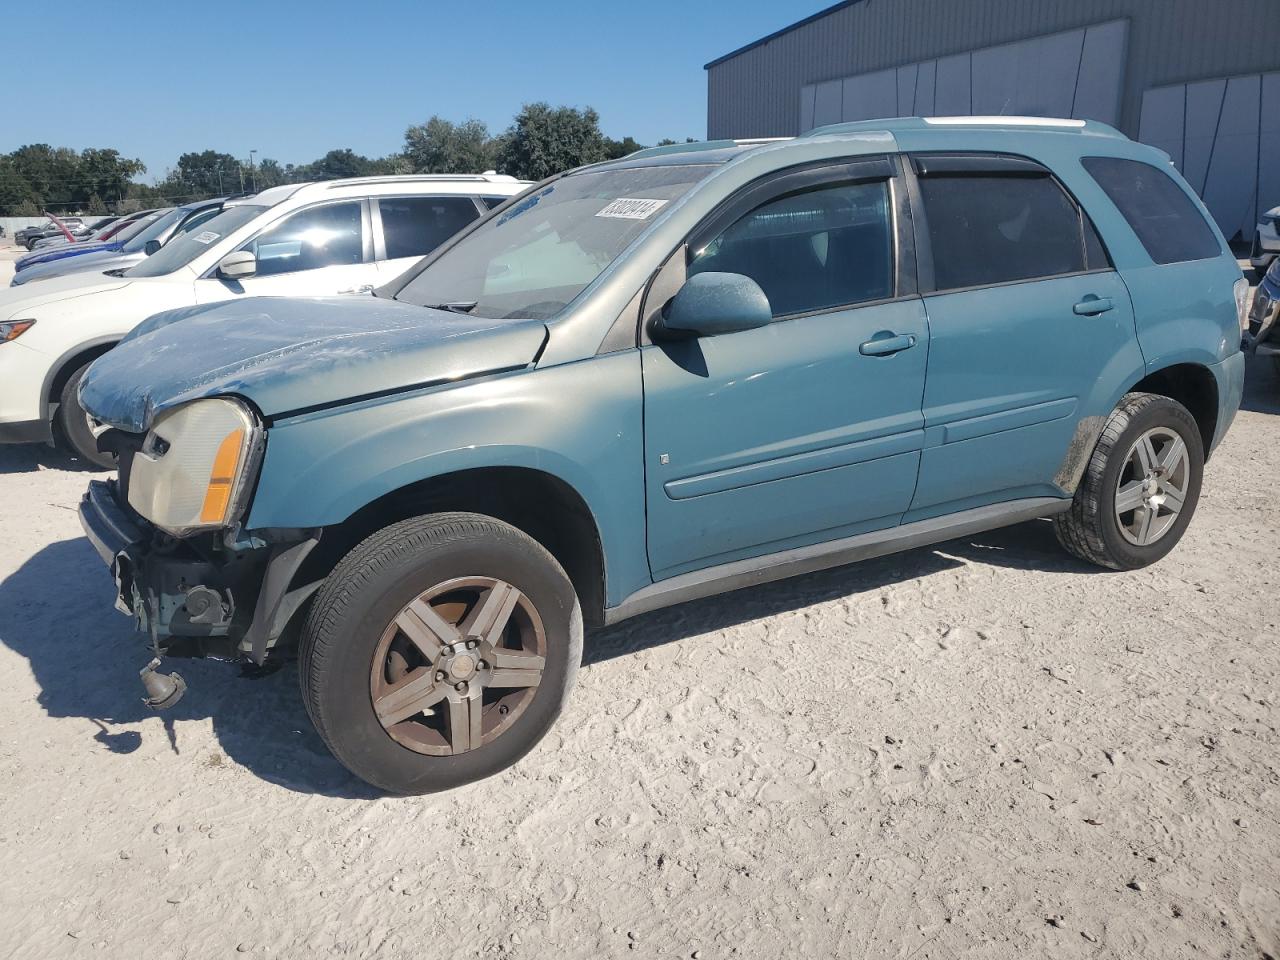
{"points": [[73, 425], [369, 588], [1090, 529]]}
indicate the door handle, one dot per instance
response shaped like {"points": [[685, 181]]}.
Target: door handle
{"points": [[886, 342], [1091, 306], [363, 288]]}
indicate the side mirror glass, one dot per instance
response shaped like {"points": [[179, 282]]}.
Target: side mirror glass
{"points": [[711, 304], [151, 247], [238, 265]]}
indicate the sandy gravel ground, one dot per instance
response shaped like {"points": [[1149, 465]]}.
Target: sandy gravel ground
{"points": [[984, 749]]}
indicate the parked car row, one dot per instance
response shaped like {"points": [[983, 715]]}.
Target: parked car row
{"points": [[695, 369], [110, 238], [81, 235], [28, 236], [150, 233]]}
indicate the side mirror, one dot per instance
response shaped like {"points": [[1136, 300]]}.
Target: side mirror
{"points": [[151, 247], [710, 304], [238, 265]]}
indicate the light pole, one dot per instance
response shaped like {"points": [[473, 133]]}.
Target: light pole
{"points": [[253, 171]]}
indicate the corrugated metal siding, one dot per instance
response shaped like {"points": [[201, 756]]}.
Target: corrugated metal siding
{"points": [[757, 93]]}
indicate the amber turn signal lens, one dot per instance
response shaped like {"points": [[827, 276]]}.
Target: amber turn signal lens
{"points": [[14, 329], [222, 478]]}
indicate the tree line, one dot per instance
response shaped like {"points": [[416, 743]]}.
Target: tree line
{"points": [[541, 140]]}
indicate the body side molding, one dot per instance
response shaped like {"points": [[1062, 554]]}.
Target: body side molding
{"points": [[836, 553]]}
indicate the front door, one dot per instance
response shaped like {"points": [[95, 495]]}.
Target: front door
{"points": [[318, 251], [810, 428], [1031, 334]]}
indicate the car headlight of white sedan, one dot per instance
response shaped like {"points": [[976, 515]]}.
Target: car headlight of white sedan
{"points": [[193, 471]]}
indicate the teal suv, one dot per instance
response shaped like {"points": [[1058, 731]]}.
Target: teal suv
{"points": [[689, 371]]}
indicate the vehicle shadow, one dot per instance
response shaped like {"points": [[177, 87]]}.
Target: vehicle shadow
{"points": [[30, 457], [56, 611], [1261, 385], [1025, 546]]}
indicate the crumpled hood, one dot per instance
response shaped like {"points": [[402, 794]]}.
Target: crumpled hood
{"points": [[285, 355], [78, 249], [101, 261]]}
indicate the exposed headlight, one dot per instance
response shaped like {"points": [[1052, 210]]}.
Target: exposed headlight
{"points": [[193, 468], [14, 329]]}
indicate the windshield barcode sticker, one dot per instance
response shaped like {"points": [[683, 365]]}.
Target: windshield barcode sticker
{"points": [[631, 208], [207, 236]]}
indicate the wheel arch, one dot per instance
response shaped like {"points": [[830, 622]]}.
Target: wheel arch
{"points": [[67, 364], [542, 505], [1191, 384]]}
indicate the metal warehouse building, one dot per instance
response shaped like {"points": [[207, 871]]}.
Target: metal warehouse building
{"points": [[1199, 79]]}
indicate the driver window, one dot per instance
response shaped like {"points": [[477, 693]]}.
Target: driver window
{"points": [[812, 250], [325, 236]]}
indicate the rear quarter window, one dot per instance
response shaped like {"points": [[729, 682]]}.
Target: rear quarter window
{"points": [[1167, 222]]}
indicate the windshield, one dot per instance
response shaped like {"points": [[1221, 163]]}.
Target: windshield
{"points": [[533, 259], [182, 249], [163, 220]]}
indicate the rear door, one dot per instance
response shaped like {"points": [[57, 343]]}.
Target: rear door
{"points": [[808, 429], [406, 229], [1031, 332]]}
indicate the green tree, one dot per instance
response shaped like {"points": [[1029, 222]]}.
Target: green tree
{"points": [[206, 174], [104, 173], [15, 192], [544, 140], [616, 149], [441, 146], [269, 173], [339, 164]]}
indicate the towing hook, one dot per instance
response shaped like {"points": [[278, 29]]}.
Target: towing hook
{"points": [[162, 691]]}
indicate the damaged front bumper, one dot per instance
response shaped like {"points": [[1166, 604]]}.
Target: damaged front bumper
{"points": [[198, 597]]}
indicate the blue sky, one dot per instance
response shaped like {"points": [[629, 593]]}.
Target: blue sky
{"points": [[292, 80]]}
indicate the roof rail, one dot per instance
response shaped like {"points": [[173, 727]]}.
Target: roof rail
{"points": [[701, 145], [902, 124], [419, 178]]}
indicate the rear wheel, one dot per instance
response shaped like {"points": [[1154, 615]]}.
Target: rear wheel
{"points": [[439, 651], [73, 425], [1141, 486]]}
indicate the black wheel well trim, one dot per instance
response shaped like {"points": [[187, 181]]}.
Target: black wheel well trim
{"points": [[62, 368], [1191, 384], [539, 503]]}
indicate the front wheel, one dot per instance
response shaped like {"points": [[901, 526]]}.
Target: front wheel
{"points": [[1140, 488], [439, 651], [73, 425]]}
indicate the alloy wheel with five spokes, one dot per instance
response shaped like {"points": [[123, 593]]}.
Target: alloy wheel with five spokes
{"points": [[458, 665]]}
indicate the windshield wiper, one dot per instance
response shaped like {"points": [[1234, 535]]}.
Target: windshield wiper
{"points": [[456, 306]]}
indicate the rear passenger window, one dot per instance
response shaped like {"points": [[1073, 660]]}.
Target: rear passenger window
{"points": [[1162, 215], [989, 228], [414, 226], [811, 251]]}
